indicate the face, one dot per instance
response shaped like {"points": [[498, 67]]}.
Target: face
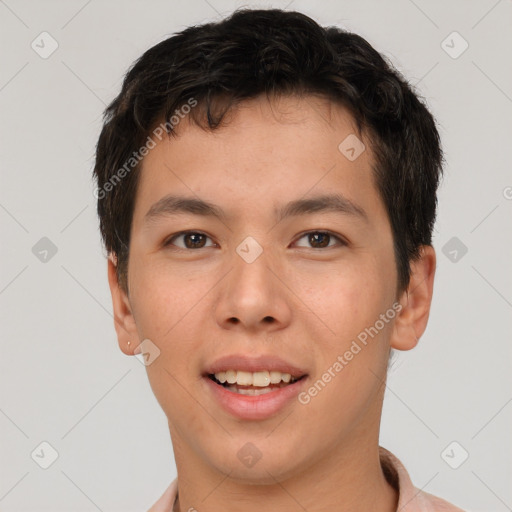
{"points": [[248, 283]]}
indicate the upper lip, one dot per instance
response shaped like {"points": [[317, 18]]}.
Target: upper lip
{"points": [[254, 364]]}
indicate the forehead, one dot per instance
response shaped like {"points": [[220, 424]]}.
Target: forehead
{"points": [[265, 152]]}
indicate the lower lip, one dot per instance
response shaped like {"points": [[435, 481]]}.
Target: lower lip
{"points": [[252, 407]]}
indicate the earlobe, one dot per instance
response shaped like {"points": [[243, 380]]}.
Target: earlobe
{"points": [[411, 322], [124, 322]]}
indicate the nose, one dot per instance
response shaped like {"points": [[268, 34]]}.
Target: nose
{"points": [[253, 297]]}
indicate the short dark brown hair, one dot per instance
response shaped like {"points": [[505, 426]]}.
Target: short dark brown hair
{"points": [[272, 52]]}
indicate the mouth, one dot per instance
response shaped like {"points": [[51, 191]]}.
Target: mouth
{"points": [[253, 388], [253, 383]]}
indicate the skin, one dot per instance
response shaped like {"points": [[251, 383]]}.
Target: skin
{"points": [[197, 304]]}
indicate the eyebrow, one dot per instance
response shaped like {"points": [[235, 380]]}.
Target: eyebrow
{"points": [[172, 205]]}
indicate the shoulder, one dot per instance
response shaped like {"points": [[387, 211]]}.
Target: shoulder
{"points": [[411, 499], [166, 502], [435, 504]]}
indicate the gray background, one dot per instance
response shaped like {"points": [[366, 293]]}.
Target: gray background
{"points": [[63, 378]]}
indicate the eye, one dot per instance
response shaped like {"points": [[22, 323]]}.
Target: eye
{"points": [[321, 239], [191, 240], [197, 240]]}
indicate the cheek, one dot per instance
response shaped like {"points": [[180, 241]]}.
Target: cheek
{"points": [[351, 364], [166, 307], [164, 298], [346, 300], [353, 351]]}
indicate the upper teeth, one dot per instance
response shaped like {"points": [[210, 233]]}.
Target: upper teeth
{"points": [[260, 379]]}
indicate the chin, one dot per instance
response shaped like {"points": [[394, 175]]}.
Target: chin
{"points": [[252, 466]]}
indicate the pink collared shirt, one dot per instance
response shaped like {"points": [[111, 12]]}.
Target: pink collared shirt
{"points": [[410, 498]]}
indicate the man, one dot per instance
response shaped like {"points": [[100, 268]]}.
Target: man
{"points": [[267, 194]]}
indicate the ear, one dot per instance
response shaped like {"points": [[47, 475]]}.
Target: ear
{"points": [[411, 321], [124, 321]]}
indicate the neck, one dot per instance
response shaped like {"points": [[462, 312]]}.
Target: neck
{"points": [[349, 478]]}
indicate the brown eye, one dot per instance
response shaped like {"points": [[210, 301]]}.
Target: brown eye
{"points": [[321, 239], [190, 240]]}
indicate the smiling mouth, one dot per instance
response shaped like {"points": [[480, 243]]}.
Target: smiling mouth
{"points": [[243, 389]]}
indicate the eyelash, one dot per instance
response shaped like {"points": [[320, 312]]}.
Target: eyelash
{"points": [[341, 241]]}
